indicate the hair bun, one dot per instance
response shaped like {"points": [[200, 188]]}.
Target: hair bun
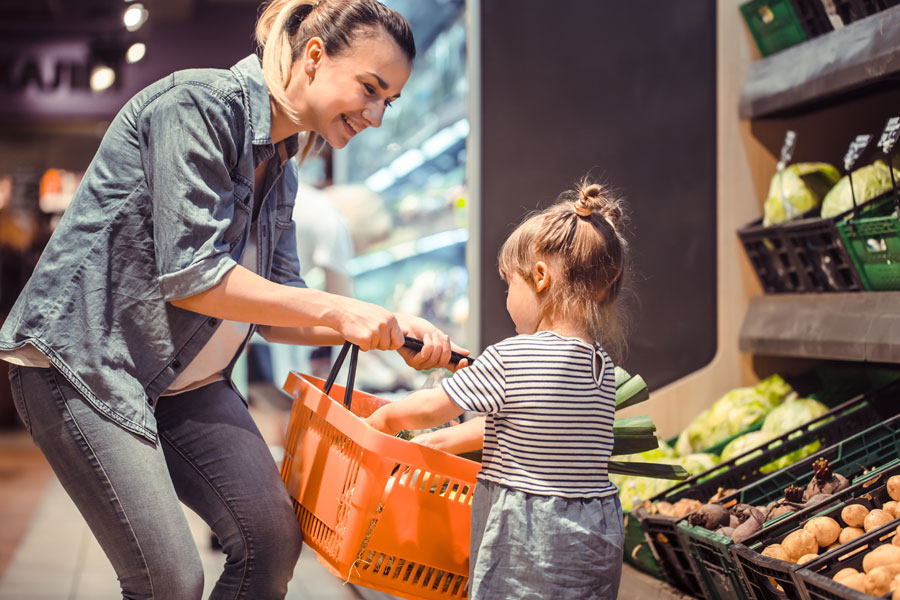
{"points": [[592, 198]]}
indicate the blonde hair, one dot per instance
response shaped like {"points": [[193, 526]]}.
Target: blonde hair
{"points": [[581, 239], [285, 26]]}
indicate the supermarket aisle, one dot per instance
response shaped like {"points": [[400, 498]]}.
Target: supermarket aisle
{"points": [[59, 558]]}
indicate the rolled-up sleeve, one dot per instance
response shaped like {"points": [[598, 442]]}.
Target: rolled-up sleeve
{"points": [[187, 138]]}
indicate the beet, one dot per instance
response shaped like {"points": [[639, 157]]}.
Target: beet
{"points": [[710, 516], [824, 481]]}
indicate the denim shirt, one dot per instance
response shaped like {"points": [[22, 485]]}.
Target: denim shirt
{"points": [[163, 212]]}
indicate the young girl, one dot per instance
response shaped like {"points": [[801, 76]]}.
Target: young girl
{"points": [[546, 521]]}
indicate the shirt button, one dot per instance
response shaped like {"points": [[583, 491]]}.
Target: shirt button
{"points": [[212, 322], [176, 364]]}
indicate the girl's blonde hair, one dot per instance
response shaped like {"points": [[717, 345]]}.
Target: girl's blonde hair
{"points": [[285, 26], [580, 238]]}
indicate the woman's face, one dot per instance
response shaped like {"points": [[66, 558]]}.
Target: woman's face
{"points": [[339, 96]]}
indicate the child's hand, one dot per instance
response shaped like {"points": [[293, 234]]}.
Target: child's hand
{"points": [[377, 421], [466, 437]]}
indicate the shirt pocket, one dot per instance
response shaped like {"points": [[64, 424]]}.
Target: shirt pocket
{"points": [[284, 214], [243, 207]]}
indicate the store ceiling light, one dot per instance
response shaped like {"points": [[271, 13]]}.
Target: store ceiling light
{"points": [[135, 16], [102, 77], [135, 52]]}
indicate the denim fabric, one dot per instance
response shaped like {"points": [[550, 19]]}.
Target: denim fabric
{"points": [[533, 547], [162, 213], [211, 457]]}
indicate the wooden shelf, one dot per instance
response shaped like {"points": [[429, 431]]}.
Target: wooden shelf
{"points": [[858, 326], [862, 54]]}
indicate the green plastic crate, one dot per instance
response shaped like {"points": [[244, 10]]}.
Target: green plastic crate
{"points": [[873, 242], [773, 24], [710, 552]]}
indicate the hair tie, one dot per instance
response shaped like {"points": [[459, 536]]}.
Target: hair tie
{"points": [[582, 209]]}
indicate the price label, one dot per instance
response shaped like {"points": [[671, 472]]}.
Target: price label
{"points": [[787, 150], [889, 135], [857, 147]]}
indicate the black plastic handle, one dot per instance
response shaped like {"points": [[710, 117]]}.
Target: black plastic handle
{"points": [[417, 345], [351, 375]]}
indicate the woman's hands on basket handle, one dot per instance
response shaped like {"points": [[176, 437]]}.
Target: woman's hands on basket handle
{"points": [[436, 345]]}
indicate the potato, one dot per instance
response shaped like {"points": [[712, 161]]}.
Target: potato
{"points": [[895, 583], [890, 508], [806, 558], [798, 543], [876, 518], [857, 582], [896, 594], [844, 573], [878, 581], [893, 487], [849, 534], [896, 540], [886, 555], [832, 547], [776, 551], [825, 529], [853, 515]]}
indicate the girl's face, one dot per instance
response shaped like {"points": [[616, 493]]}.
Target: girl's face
{"points": [[523, 305], [339, 96]]}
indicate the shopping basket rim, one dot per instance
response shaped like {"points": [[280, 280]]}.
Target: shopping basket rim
{"points": [[388, 446]]}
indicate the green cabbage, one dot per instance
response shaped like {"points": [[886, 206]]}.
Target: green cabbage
{"points": [[793, 414], [797, 189], [868, 182], [743, 443], [792, 457]]}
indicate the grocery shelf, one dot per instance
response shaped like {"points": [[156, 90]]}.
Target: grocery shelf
{"points": [[858, 55], [857, 326], [379, 259]]}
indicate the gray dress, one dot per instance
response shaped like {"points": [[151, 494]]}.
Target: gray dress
{"points": [[530, 547]]}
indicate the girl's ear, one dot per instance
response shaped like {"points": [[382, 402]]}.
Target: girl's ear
{"points": [[540, 274]]}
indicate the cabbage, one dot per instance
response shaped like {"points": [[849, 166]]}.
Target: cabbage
{"points": [[868, 182], [791, 457], [797, 189], [699, 462], [774, 389], [743, 443], [793, 414]]}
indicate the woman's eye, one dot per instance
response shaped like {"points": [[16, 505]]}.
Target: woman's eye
{"points": [[388, 103], [369, 88]]}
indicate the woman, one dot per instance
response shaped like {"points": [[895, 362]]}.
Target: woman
{"points": [[179, 237]]}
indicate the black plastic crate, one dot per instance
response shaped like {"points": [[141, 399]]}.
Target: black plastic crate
{"points": [[711, 552], [854, 10], [814, 579], [812, 17], [771, 258], [839, 423], [761, 573], [823, 263]]}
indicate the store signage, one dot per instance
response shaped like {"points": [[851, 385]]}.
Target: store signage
{"points": [[18, 73], [856, 149], [787, 150], [889, 135]]}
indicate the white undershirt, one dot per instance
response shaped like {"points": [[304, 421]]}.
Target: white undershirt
{"points": [[210, 364]]}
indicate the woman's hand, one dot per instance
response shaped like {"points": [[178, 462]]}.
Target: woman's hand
{"points": [[436, 346], [369, 326]]}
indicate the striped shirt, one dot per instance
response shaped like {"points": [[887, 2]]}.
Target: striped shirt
{"points": [[549, 427]]}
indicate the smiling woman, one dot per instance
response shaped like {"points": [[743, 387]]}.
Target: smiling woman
{"points": [[178, 244]]}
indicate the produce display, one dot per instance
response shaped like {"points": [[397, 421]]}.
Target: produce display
{"points": [[868, 182], [824, 533], [796, 189]]}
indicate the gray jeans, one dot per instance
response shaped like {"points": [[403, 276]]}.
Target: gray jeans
{"points": [[211, 457]]}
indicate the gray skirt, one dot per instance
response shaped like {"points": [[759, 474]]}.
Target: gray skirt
{"points": [[526, 546]]}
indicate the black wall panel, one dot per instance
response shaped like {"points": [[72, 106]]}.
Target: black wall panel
{"points": [[626, 91]]}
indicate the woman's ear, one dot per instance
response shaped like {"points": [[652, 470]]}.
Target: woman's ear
{"points": [[540, 274], [312, 55]]}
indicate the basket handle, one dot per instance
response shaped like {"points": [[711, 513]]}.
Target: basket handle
{"points": [[351, 375]]}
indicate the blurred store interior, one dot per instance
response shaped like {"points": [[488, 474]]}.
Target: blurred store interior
{"points": [[674, 105]]}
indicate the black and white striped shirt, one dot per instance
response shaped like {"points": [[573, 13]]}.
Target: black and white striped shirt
{"points": [[549, 428]]}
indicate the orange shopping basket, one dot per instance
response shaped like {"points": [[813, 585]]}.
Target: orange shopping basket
{"points": [[379, 511]]}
